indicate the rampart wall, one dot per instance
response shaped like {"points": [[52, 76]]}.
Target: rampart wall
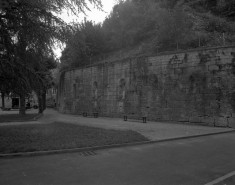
{"points": [[195, 86]]}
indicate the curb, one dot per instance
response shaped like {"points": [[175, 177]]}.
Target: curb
{"points": [[38, 116], [50, 152]]}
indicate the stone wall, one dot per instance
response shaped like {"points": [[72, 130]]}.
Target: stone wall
{"points": [[195, 86]]}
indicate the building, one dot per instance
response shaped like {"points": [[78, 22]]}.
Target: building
{"points": [[12, 101], [51, 97]]}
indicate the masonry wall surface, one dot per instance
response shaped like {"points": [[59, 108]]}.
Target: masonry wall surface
{"points": [[195, 86]]}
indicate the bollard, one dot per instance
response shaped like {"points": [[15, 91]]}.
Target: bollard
{"points": [[144, 119], [96, 115]]}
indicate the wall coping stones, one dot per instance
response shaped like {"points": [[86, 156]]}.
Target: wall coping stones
{"points": [[153, 55]]}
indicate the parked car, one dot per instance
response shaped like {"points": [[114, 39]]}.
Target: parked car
{"points": [[34, 104]]}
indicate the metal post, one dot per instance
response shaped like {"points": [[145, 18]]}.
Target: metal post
{"points": [[199, 42], [144, 119], [223, 39]]}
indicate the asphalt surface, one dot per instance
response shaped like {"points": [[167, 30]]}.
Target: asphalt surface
{"points": [[192, 161]]}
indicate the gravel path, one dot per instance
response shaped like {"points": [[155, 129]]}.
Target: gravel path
{"points": [[152, 130]]}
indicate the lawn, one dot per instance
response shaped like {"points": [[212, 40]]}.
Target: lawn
{"points": [[16, 117], [55, 136]]}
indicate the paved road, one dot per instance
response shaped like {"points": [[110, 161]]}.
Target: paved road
{"points": [[184, 162]]}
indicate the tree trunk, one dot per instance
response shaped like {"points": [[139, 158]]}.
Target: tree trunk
{"points": [[44, 100], [22, 105], [40, 104], [3, 100]]}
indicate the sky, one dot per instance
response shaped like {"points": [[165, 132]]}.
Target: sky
{"points": [[95, 15]]}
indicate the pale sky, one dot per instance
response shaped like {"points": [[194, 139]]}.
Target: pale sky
{"points": [[94, 15]]}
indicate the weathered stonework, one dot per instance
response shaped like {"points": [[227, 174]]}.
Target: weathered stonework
{"points": [[196, 86]]}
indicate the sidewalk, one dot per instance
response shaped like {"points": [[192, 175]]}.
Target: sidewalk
{"points": [[152, 130]]}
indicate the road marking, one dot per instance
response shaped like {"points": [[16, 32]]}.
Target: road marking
{"points": [[221, 178]]}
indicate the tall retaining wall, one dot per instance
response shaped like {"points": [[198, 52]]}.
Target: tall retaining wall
{"points": [[195, 86]]}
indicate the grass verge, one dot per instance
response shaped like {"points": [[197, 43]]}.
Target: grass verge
{"points": [[16, 117], [56, 136]]}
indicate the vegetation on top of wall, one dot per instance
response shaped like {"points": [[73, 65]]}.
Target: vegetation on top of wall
{"points": [[136, 27]]}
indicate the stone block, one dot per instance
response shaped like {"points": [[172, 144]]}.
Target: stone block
{"points": [[231, 122], [183, 65], [221, 122], [208, 120], [184, 118], [209, 96], [213, 67], [195, 119], [178, 71], [166, 117]]}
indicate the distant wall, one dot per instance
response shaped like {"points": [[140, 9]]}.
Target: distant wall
{"points": [[51, 97], [7, 102], [195, 86]]}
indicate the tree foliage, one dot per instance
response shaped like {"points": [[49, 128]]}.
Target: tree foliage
{"points": [[88, 40], [28, 31], [155, 25]]}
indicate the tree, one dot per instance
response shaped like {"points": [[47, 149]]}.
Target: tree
{"points": [[147, 27], [175, 27], [28, 32], [88, 40], [47, 81]]}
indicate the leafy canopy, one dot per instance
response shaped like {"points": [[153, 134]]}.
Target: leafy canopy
{"points": [[151, 26], [28, 32], [29, 29]]}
